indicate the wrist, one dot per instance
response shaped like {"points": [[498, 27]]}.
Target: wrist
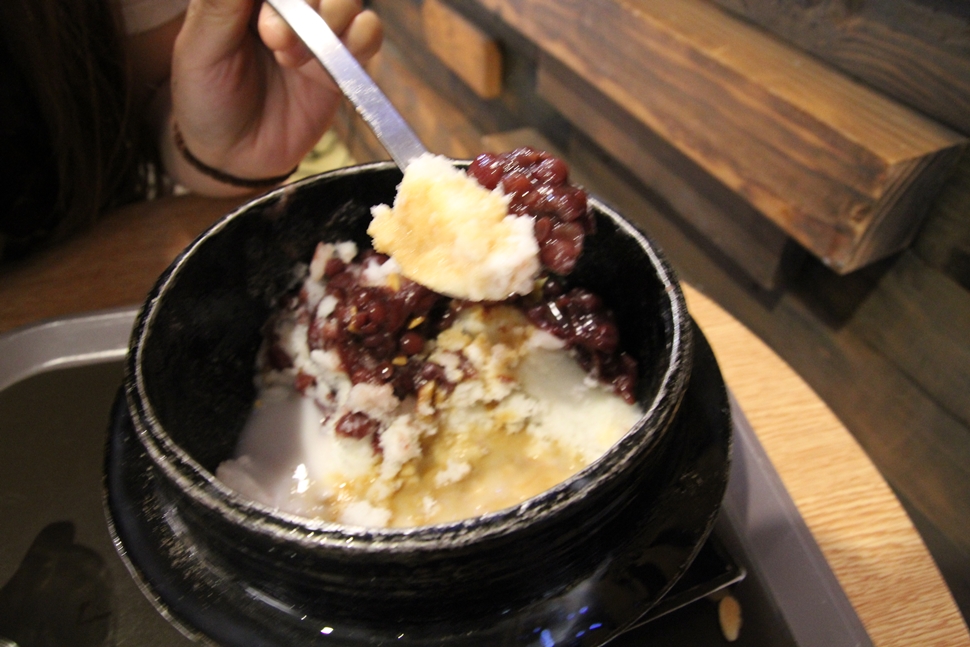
{"points": [[220, 175], [199, 176]]}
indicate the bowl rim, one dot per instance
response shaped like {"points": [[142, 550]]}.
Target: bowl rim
{"points": [[203, 487]]}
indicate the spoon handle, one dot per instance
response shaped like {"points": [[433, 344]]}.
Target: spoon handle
{"points": [[371, 104]]}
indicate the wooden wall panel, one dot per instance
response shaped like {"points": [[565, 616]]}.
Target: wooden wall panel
{"points": [[468, 51], [920, 319], [517, 105], [912, 50], [441, 126], [842, 169], [751, 241], [944, 241]]}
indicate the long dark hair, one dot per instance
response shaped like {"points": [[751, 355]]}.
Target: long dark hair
{"points": [[67, 126]]}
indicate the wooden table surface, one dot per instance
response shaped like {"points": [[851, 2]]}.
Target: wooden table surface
{"points": [[874, 550]]}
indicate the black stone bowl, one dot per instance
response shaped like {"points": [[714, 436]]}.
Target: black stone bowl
{"points": [[615, 530]]}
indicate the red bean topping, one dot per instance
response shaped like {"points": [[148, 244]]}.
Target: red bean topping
{"points": [[416, 299], [538, 187], [339, 283], [304, 381], [411, 343], [374, 330], [579, 301], [356, 425], [624, 378], [278, 358], [516, 182], [559, 255], [370, 311], [569, 204], [595, 333], [552, 287], [382, 345], [487, 169], [552, 171], [431, 372], [333, 267], [543, 229], [404, 376], [580, 318], [395, 315], [384, 372], [380, 333], [525, 156]]}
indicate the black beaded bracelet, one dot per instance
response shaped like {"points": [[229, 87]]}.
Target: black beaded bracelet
{"points": [[222, 176]]}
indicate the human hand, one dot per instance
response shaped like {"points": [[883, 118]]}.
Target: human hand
{"points": [[253, 104]]}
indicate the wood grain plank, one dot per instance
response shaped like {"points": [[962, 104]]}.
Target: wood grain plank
{"points": [[113, 264], [920, 449], [944, 241], [464, 48], [911, 50], [440, 125], [752, 241], [918, 318], [822, 156], [514, 108], [843, 499]]}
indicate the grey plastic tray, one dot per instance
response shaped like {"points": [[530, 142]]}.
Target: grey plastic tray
{"points": [[57, 380]]}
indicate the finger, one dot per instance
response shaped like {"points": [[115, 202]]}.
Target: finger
{"points": [[213, 29], [339, 14], [286, 46], [364, 36], [277, 34]]}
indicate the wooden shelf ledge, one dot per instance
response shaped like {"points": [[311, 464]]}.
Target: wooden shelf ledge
{"points": [[844, 170]]}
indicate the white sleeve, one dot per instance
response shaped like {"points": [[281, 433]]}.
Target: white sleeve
{"points": [[142, 15]]}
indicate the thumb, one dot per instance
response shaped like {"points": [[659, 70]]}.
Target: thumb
{"points": [[214, 29]]}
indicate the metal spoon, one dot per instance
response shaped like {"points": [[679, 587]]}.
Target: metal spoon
{"points": [[371, 104]]}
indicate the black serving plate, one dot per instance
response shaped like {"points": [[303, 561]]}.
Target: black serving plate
{"points": [[631, 585]]}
